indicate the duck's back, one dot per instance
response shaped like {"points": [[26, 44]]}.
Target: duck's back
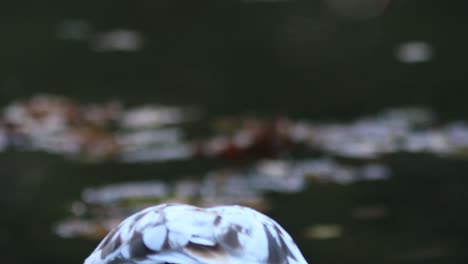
{"points": [[184, 234]]}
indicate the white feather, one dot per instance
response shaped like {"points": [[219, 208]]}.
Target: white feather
{"points": [[154, 237]]}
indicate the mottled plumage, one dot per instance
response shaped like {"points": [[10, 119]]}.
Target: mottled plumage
{"points": [[184, 234]]}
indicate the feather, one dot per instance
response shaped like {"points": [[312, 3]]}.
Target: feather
{"points": [[184, 234]]}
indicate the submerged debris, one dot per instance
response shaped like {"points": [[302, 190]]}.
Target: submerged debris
{"points": [[252, 138]]}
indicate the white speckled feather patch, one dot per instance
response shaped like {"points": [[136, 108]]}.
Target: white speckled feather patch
{"points": [[184, 234]]}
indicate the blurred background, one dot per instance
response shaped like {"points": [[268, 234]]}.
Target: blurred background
{"points": [[345, 120]]}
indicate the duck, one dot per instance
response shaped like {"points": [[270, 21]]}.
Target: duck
{"points": [[175, 233]]}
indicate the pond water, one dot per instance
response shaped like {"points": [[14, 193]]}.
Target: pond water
{"points": [[344, 123]]}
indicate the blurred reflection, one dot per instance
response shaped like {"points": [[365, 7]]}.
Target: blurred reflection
{"points": [[122, 40], [74, 30], [424, 254], [3, 138], [155, 116], [154, 133], [322, 232], [113, 202], [357, 9], [115, 192], [88, 229], [330, 171], [370, 212], [117, 40], [88, 131], [414, 52], [408, 131]]}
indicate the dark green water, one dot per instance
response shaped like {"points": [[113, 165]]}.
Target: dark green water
{"points": [[293, 58]]}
